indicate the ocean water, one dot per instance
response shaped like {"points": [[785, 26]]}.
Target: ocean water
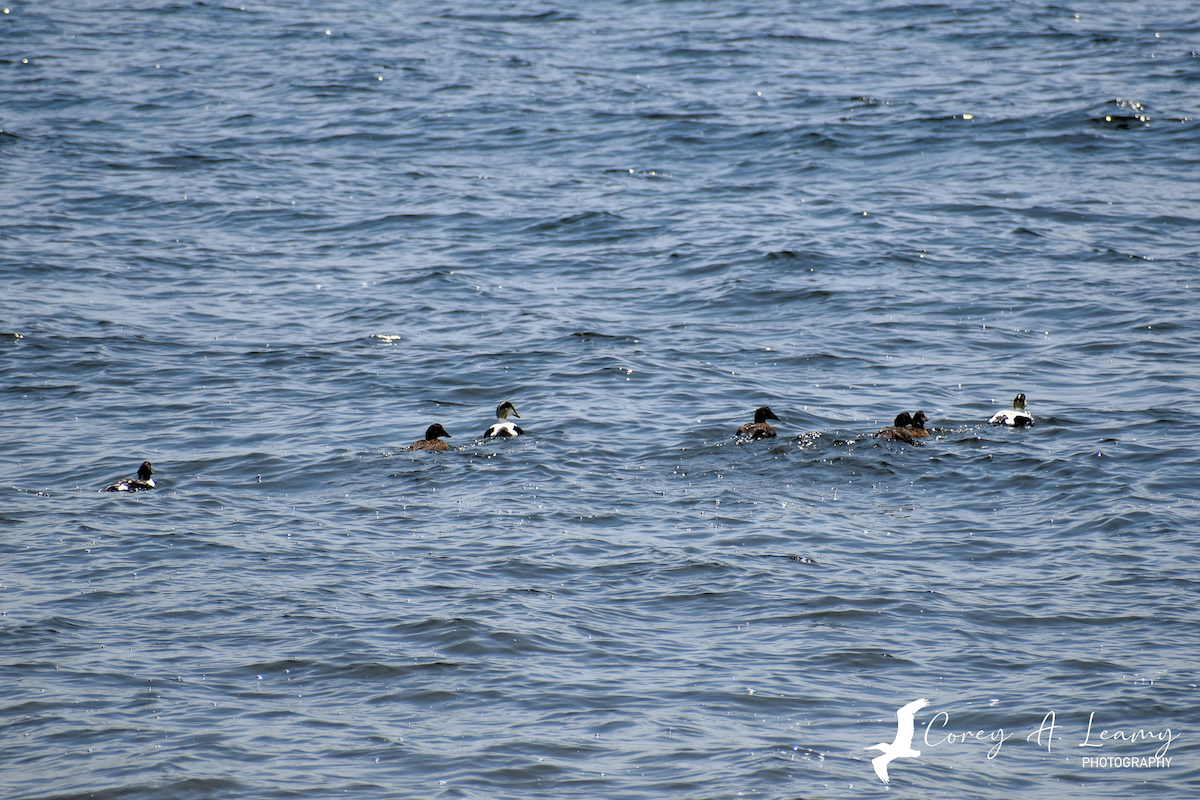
{"points": [[264, 246]]}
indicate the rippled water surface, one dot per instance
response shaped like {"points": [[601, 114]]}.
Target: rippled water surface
{"points": [[265, 247]]}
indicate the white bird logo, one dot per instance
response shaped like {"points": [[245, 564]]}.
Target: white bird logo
{"points": [[902, 746]]}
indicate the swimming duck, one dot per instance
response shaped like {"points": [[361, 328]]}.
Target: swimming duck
{"points": [[431, 441], [142, 482], [759, 429], [1016, 417], [917, 428], [502, 426], [899, 430]]}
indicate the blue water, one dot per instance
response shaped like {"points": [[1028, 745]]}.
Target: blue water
{"points": [[264, 247]]}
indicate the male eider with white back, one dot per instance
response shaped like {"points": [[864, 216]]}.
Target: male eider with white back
{"points": [[141, 483], [432, 440], [1016, 417], [502, 427], [759, 429]]}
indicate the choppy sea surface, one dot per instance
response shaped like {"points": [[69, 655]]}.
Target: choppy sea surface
{"points": [[264, 246]]}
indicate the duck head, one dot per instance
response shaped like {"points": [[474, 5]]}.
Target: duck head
{"points": [[763, 414]]}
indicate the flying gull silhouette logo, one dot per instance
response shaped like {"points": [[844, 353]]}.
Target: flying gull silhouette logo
{"points": [[902, 746]]}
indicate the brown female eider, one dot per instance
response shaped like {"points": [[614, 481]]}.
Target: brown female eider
{"points": [[899, 430], [917, 428], [431, 441], [759, 429]]}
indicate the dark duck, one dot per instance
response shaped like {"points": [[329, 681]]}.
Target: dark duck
{"points": [[141, 483], [900, 430], [432, 440], [917, 428], [759, 429]]}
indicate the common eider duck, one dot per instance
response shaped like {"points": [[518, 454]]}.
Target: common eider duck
{"points": [[1015, 417], [899, 430], [431, 440], [141, 483], [917, 428], [502, 427], [759, 429]]}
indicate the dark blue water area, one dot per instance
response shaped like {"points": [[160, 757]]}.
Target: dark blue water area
{"points": [[264, 246]]}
